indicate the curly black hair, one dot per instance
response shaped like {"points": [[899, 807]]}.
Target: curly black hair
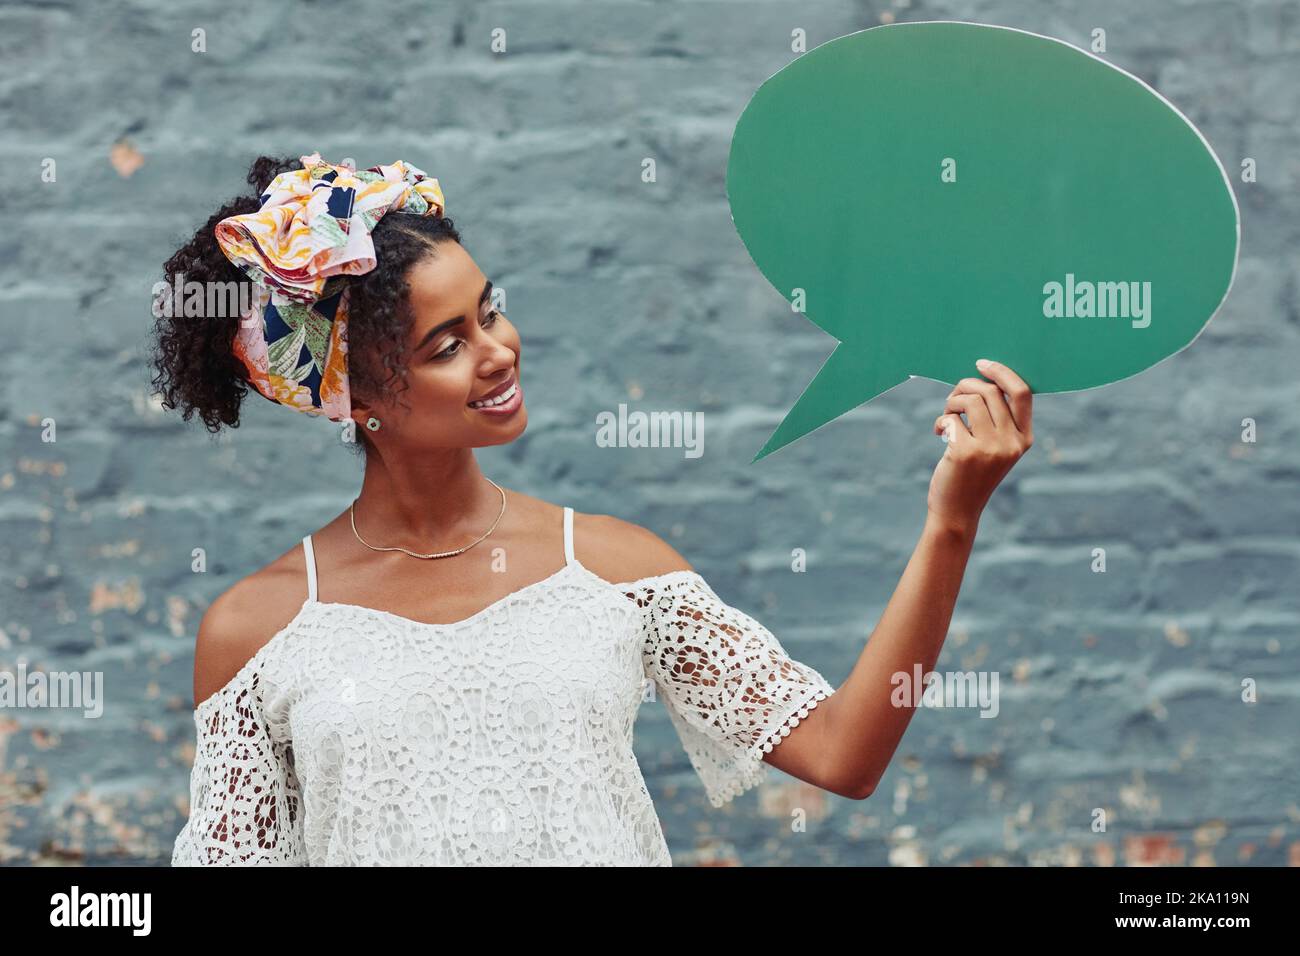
{"points": [[194, 366]]}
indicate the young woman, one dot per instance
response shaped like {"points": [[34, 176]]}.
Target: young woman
{"points": [[448, 672]]}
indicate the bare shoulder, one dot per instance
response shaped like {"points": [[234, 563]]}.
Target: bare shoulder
{"points": [[244, 617], [620, 551]]}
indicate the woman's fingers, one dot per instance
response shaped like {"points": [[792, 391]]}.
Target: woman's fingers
{"points": [[951, 427], [976, 408], [1019, 398], [1001, 408], [991, 396]]}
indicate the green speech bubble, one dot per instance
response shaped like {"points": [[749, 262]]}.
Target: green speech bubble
{"points": [[935, 193]]}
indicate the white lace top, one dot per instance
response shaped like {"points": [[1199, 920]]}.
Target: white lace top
{"points": [[355, 736]]}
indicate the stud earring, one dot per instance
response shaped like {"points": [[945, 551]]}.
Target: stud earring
{"points": [[372, 423]]}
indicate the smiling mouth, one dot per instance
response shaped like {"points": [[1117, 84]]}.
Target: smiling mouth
{"points": [[500, 396]]}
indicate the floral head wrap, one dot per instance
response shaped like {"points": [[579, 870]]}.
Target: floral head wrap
{"points": [[311, 232]]}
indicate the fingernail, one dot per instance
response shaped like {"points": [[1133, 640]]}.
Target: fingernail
{"points": [[982, 363]]}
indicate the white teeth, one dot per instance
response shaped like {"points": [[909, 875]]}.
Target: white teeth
{"points": [[501, 399]]}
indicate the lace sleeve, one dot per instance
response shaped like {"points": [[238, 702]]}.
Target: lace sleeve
{"points": [[245, 805], [730, 689]]}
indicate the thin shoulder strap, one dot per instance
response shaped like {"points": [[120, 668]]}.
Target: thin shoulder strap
{"points": [[311, 567], [568, 535]]}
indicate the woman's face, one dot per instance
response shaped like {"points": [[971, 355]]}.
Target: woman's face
{"points": [[461, 350]]}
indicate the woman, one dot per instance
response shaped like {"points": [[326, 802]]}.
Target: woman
{"points": [[448, 672]]}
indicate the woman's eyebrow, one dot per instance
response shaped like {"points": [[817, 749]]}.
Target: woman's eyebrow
{"points": [[487, 290]]}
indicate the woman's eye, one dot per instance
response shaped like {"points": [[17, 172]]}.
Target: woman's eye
{"points": [[452, 349]]}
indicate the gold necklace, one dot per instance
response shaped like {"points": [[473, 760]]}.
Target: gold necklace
{"points": [[352, 511]]}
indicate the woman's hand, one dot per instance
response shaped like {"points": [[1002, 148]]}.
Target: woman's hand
{"points": [[997, 431]]}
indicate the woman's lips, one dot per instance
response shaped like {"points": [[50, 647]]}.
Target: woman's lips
{"points": [[497, 390], [508, 407]]}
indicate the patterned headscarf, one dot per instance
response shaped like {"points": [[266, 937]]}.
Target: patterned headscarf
{"points": [[311, 232]]}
